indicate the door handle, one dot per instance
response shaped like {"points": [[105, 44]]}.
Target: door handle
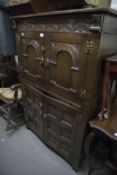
{"points": [[40, 60], [46, 62]]}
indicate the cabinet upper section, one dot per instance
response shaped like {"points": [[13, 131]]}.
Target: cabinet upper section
{"points": [[61, 49], [57, 60]]}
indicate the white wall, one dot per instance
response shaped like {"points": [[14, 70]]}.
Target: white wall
{"points": [[114, 4]]}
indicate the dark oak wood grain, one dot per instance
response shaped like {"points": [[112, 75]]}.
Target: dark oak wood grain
{"points": [[60, 55]]}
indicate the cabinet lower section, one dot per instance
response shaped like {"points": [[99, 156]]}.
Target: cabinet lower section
{"points": [[54, 121]]}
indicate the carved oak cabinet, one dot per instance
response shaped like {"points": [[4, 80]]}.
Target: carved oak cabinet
{"points": [[60, 55]]}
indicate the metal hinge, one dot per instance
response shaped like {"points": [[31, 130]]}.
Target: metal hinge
{"points": [[89, 47]]}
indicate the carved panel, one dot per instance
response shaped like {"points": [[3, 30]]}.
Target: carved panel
{"points": [[33, 44], [32, 57], [31, 52], [72, 25], [34, 110], [59, 126], [58, 120], [64, 60], [72, 49]]}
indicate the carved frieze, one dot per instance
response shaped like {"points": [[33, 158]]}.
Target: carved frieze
{"points": [[72, 25]]}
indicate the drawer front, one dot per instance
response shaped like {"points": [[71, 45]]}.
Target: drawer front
{"points": [[60, 124], [33, 110]]}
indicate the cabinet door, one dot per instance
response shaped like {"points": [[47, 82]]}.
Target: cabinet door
{"points": [[33, 110], [66, 61], [31, 50], [60, 124]]}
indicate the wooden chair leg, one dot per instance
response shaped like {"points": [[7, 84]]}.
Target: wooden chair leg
{"points": [[10, 124], [105, 93], [88, 142]]}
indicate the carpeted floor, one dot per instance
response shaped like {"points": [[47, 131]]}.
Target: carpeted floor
{"points": [[22, 153]]}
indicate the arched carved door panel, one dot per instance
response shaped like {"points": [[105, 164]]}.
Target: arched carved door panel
{"points": [[66, 62], [31, 53]]}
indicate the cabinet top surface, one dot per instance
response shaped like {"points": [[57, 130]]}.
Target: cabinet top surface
{"points": [[99, 10]]}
